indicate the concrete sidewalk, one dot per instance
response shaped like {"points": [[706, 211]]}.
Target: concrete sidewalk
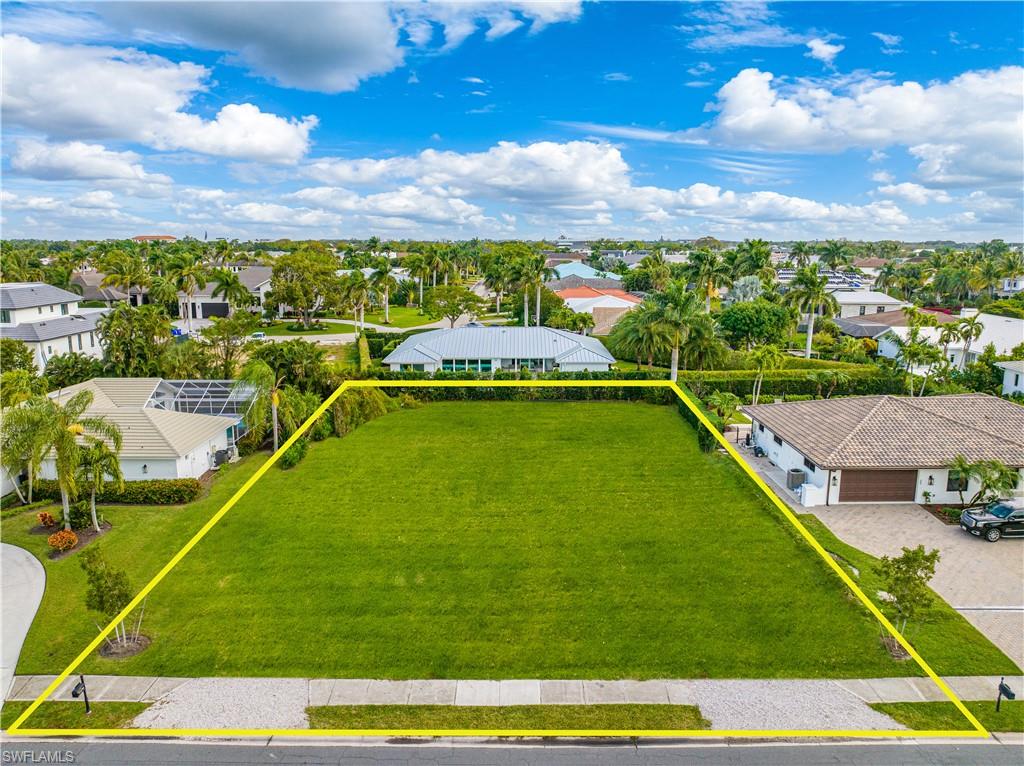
{"points": [[280, 703], [22, 579]]}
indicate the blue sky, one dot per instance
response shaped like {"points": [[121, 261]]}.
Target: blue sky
{"points": [[431, 120]]}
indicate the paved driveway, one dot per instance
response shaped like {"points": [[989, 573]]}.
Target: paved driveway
{"points": [[21, 589], [983, 581]]}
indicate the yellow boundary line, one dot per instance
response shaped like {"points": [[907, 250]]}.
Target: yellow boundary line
{"points": [[977, 731]]}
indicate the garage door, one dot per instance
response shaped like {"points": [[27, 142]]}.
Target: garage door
{"points": [[878, 486], [215, 310]]}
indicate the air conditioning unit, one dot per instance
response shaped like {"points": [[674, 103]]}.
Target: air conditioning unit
{"points": [[795, 477]]}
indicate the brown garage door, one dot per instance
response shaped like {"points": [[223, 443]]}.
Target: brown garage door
{"points": [[877, 486]]}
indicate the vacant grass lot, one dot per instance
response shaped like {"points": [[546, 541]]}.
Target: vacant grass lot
{"points": [[486, 540], [649, 717], [331, 328], [400, 316]]}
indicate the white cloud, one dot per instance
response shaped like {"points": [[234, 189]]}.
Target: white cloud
{"points": [[94, 92], [738, 25], [617, 77], [697, 83], [473, 80], [823, 51], [96, 199], [79, 161], [700, 69], [890, 43], [913, 193], [883, 177], [877, 155]]}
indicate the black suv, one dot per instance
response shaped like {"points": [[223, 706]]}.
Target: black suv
{"points": [[1002, 518]]}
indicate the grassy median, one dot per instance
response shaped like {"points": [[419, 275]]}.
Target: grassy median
{"points": [[71, 715], [931, 716]]}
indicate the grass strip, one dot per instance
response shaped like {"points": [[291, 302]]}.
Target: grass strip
{"points": [[647, 717], [71, 715], [944, 715]]}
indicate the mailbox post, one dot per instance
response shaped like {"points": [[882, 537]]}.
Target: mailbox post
{"points": [[1004, 691], [80, 691]]}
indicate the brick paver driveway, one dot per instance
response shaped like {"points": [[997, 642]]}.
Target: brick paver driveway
{"points": [[982, 580]]}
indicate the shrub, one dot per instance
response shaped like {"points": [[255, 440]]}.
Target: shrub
{"points": [[81, 518], [365, 359], [46, 519], [147, 492], [294, 454], [705, 439], [62, 540]]}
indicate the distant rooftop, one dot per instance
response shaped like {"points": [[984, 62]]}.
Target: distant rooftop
{"points": [[26, 295]]}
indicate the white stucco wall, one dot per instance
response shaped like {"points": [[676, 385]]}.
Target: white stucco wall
{"points": [[1013, 382], [590, 366]]}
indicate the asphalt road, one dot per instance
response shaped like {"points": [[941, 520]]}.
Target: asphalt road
{"points": [[185, 754]]}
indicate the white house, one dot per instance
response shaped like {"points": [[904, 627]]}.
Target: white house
{"points": [[854, 303], [49, 320], [1013, 377], [1002, 332], [203, 305], [1012, 285], [480, 348], [166, 425], [887, 449]]}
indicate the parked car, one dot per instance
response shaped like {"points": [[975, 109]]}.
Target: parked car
{"points": [[1001, 518], [258, 336]]}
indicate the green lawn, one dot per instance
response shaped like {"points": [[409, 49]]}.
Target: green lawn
{"points": [[400, 316], [71, 715], [332, 328], [511, 717], [488, 540], [931, 716]]}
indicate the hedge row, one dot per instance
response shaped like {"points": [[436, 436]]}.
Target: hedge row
{"points": [[365, 362], [862, 382], [147, 492]]}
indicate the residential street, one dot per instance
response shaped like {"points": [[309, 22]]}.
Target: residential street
{"points": [[442, 753], [22, 580]]}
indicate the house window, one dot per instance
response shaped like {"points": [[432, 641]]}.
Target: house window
{"points": [[92, 340], [879, 309], [5, 316], [760, 428], [39, 309], [955, 482], [79, 341], [70, 346], [1016, 379], [810, 466], [64, 309], [863, 310], [777, 439]]}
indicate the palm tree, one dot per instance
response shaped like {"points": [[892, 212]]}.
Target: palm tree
{"points": [[383, 279], [229, 286], [678, 309], [971, 329], [97, 463], [125, 272], [420, 269], [916, 351], [22, 445], [835, 253], [809, 293], [61, 426], [726, 404], [1013, 264], [987, 275], [703, 349], [766, 357], [262, 386], [964, 470], [949, 333], [641, 333], [356, 291], [754, 256], [187, 272], [708, 272], [658, 268], [436, 261], [801, 253], [887, 276], [498, 280]]}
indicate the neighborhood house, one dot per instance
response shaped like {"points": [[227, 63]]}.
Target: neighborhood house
{"points": [[478, 348], [49, 320], [878, 449], [1004, 333]]}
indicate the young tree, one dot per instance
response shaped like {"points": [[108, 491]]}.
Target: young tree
{"points": [[187, 272], [16, 355], [726, 404], [451, 302], [226, 337], [68, 369], [262, 385], [828, 379], [108, 591], [906, 579], [755, 322], [767, 357], [187, 360], [98, 462], [383, 280]]}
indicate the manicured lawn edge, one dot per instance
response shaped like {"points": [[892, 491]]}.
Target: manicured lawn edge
{"points": [[333, 328], [940, 637], [650, 717], [930, 716], [71, 715], [400, 316]]}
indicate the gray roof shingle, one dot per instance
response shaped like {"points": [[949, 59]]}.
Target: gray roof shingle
{"points": [[482, 342], [58, 327], [899, 431], [26, 295]]}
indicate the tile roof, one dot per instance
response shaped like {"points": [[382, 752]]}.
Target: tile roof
{"points": [[483, 342], [26, 295], [593, 292], [147, 432], [898, 431]]}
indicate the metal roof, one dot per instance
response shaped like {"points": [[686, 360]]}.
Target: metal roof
{"points": [[899, 431], [85, 320], [482, 342], [26, 295]]}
